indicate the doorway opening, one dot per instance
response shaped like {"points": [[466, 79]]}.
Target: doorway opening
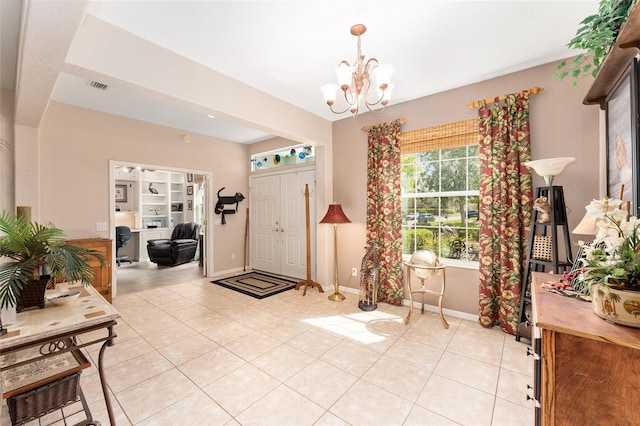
{"points": [[151, 200]]}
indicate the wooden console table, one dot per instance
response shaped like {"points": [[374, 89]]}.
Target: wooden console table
{"points": [[586, 369], [42, 334]]}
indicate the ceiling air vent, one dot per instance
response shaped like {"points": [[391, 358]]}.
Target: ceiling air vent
{"points": [[97, 85]]}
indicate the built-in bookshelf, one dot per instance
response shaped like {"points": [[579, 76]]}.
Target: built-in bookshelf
{"points": [[177, 206], [152, 199], [155, 198]]}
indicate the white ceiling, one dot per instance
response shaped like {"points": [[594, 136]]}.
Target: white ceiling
{"points": [[288, 49]]}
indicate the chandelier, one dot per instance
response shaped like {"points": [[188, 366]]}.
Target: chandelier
{"points": [[357, 80]]}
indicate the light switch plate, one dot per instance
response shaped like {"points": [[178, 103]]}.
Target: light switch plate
{"points": [[101, 226]]}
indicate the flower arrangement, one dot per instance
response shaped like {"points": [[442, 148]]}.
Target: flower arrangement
{"points": [[613, 259]]}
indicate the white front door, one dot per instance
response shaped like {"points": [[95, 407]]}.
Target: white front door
{"points": [[278, 223], [264, 223], [294, 224]]}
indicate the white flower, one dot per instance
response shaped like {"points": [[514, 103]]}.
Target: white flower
{"points": [[628, 226], [597, 208], [588, 252], [613, 256]]}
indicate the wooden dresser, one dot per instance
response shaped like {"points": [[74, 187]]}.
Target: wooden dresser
{"points": [[102, 274], [587, 370]]}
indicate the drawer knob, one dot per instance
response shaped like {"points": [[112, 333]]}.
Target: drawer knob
{"points": [[536, 402]]}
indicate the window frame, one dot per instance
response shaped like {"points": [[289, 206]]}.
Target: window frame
{"points": [[438, 195]]}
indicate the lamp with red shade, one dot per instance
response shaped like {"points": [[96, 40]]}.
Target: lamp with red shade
{"points": [[336, 216]]}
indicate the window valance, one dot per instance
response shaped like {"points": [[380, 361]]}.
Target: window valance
{"points": [[450, 135]]}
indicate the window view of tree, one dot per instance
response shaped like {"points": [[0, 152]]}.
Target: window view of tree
{"points": [[440, 202]]}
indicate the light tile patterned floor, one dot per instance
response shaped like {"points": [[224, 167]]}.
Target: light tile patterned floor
{"points": [[192, 353]]}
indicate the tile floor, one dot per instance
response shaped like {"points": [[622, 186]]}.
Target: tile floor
{"points": [[192, 353]]}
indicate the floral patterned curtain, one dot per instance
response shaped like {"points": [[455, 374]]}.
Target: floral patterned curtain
{"points": [[505, 202], [384, 210]]}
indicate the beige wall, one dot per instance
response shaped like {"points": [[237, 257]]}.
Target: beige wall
{"points": [[271, 145], [560, 126], [76, 145], [7, 198]]}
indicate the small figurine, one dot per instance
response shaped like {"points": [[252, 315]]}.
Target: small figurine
{"points": [[152, 189], [542, 205]]}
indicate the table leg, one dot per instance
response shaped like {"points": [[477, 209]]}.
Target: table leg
{"points": [[406, 321], [444, 321], [103, 380]]}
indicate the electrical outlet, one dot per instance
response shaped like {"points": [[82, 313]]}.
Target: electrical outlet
{"points": [[101, 226], [233, 256], [354, 272]]}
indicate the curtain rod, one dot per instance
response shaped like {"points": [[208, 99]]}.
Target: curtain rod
{"points": [[367, 128], [476, 104]]}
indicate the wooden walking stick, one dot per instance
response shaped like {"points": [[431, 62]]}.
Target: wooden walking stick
{"points": [[308, 281], [246, 240]]}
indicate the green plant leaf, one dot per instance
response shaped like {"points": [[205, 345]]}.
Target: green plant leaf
{"points": [[29, 246], [595, 36]]}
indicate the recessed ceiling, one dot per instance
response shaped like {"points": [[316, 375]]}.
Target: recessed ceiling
{"points": [[288, 49]]}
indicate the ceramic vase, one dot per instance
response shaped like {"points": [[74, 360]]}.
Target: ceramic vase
{"points": [[616, 306]]}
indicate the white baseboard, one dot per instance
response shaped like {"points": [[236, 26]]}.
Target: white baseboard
{"points": [[229, 271], [329, 289], [430, 308]]}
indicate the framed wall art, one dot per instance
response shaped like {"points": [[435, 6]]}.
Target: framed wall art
{"points": [[190, 190], [121, 193], [189, 177], [622, 139], [189, 204]]}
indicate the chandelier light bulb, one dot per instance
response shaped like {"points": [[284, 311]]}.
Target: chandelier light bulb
{"points": [[344, 76], [383, 75], [329, 92], [386, 96]]}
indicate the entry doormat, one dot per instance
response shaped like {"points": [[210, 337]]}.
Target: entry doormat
{"points": [[258, 284]]}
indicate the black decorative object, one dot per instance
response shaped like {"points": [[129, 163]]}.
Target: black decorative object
{"points": [[222, 200], [32, 295]]}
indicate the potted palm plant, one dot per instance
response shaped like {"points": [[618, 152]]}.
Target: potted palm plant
{"points": [[37, 254]]}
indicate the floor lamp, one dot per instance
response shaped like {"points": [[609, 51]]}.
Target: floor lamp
{"points": [[335, 215]]}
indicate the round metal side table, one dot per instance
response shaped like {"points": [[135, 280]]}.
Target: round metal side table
{"points": [[423, 290]]}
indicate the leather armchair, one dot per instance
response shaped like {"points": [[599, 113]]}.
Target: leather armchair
{"points": [[181, 248]]}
